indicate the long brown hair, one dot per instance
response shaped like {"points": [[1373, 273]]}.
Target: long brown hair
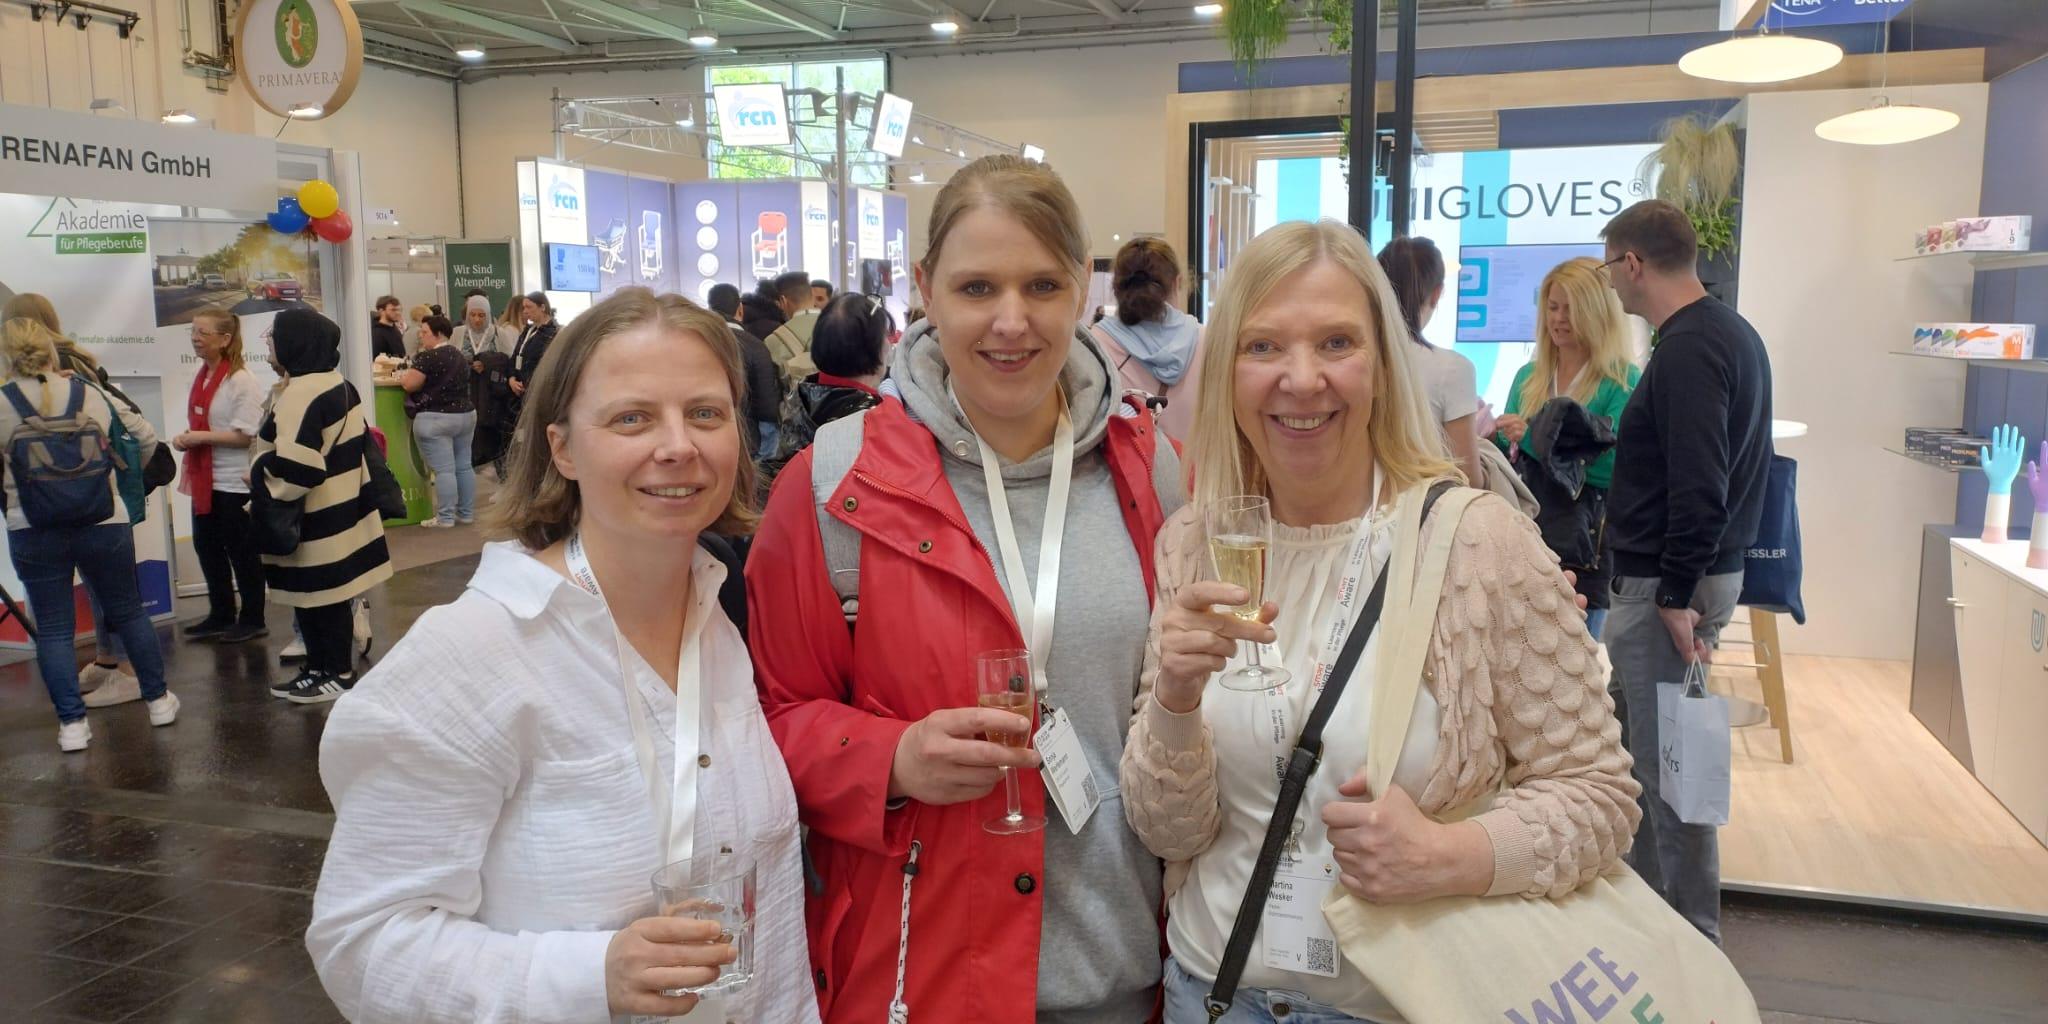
{"points": [[229, 324], [1146, 278], [537, 505]]}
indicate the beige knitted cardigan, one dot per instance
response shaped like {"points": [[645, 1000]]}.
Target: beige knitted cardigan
{"points": [[1525, 713]]}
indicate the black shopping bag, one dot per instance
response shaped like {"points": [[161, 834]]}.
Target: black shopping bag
{"points": [[1771, 567]]}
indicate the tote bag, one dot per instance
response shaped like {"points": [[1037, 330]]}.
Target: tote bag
{"points": [[1613, 950], [1771, 567], [1693, 749]]}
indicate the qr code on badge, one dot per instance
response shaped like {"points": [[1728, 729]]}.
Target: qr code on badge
{"points": [[1322, 956], [1088, 788]]}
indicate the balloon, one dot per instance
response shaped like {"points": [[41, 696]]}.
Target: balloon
{"points": [[289, 218], [318, 199], [335, 227]]}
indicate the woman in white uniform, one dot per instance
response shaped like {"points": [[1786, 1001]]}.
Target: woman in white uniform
{"points": [[511, 775]]}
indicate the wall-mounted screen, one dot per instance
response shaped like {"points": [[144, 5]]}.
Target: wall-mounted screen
{"points": [[572, 268], [1497, 288]]}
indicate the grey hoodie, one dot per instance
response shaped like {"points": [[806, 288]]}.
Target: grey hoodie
{"points": [[1164, 346], [1098, 954]]}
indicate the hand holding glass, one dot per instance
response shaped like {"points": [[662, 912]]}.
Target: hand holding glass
{"points": [[1240, 530], [714, 886], [1002, 681]]}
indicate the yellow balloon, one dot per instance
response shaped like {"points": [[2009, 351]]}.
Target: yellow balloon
{"points": [[318, 199]]}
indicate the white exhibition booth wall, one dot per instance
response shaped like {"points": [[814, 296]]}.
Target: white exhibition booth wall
{"points": [[687, 236], [129, 227]]}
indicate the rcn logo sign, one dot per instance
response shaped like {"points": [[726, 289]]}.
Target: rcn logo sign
{"points": [[563, 197], [752, 115]]}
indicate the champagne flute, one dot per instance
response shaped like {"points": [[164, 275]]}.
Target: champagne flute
{"points": [[1240, 531], [1002, 680]]}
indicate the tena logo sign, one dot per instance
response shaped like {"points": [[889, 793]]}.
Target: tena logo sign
{"points": [[892, 125], [1784, 13], [752, 115], [300, 55]]}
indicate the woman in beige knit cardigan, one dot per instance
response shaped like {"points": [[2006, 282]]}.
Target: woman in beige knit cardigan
{"points": [[1308, 398]]}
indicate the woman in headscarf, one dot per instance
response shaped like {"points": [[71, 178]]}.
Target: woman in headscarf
{"points": [[479, 333], [311, 452]]}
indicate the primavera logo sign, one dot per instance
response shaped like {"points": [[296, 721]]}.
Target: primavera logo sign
{"points": [[298, 33]]}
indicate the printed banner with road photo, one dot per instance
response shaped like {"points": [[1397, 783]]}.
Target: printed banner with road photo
{"points": [[246, 269]]}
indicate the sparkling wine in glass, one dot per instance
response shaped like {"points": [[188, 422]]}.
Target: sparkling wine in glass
{"points": [[1240, 531], [1002, 680]]}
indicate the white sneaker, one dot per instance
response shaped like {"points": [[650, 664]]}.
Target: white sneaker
{"points": [[437, 524], [95, 675], [119, 690], [164, 710], [360, 624], [294, 651], [73, 736]]}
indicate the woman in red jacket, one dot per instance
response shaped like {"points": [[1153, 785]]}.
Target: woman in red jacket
{"points": [[1009, 500]]}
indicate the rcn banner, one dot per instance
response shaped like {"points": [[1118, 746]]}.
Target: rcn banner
{"points": [[49, 152], [752, 115]]}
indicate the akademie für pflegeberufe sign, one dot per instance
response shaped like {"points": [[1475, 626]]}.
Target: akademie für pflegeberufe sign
{"points": [[300, 55]]}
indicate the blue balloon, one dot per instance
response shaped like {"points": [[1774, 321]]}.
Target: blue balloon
{"points": [[289, 219]]}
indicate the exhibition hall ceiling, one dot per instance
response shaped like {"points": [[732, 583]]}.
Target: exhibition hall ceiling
{"points": [[534, 34]]}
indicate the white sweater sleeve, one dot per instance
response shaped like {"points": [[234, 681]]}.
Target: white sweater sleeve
{"points": [[393, 935]]}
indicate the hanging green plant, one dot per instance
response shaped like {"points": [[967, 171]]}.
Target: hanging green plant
{"points": [[1255, 29], [1715, 228]]}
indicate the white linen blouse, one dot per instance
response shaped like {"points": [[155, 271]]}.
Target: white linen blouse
{"points": [[237, 405], [1305, 576], [493, 827]]}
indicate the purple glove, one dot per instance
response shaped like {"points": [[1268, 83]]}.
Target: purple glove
{"points": [[2037, 481]]}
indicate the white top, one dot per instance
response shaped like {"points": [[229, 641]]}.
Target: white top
{"points": [[492, 826], [237, 405], [1450, 382], [1305, 571]]}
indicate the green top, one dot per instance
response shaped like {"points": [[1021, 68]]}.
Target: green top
{"points": [[1607, 402]]}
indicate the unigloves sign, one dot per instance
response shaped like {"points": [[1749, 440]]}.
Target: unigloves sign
{"points": [[752, 115]]}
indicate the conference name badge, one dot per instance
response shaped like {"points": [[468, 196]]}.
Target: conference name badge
{"points": [[1068, 779], [1298, 937]]}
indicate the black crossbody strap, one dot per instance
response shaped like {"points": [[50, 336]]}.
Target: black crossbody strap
{"points": [[1301, 766]]}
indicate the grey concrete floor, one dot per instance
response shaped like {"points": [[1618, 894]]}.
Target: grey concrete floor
{"points": [[167, 874]]}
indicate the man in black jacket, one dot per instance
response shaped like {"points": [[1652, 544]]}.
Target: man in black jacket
{"points": [[764, 385], [762, 310], [387, 332], [1689, 473]]}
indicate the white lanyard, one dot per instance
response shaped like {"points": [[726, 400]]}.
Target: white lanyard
{"points": [[675, 804], [1033, 606]]}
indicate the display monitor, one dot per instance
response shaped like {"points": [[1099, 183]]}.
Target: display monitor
{"points": [[572, 268], [1497, 288]]}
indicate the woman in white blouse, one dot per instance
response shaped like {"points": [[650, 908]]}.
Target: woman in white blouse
{"points": [[508, 779], [223, 412]]}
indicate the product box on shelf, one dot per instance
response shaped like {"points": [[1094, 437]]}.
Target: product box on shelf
{"points": [[1995, 234], [1950, 236], [1975, 341]]}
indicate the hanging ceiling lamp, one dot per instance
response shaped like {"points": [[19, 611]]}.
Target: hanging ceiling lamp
{"points": [[1764, 57], [1884, 123]]}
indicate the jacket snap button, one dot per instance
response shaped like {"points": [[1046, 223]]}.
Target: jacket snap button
{"points": [[703, 760], [1282, 1010], [960, 449], [851, 504], [1025, 883], [924, 547], [820, 976]]}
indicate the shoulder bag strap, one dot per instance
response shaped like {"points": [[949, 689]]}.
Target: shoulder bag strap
{"points": [[1301, 766]]}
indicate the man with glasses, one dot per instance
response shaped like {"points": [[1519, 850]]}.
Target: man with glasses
{"points": [[1688, 495]]}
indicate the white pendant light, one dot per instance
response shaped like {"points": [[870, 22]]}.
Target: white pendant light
{"points": [[1753, 60], [1884, 123]]}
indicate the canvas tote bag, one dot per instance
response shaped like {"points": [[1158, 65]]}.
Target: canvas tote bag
{"points": [[1611, 950]]}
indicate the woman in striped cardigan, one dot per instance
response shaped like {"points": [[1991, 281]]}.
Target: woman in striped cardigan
{"points": [[311, 451]]}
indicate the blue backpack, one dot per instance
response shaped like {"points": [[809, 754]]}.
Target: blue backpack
{"points": [[60, 464]]}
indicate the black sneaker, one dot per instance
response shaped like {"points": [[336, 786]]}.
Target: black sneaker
{"points": [[290, 686], [319, 688], [206, 629], [241, 634]]}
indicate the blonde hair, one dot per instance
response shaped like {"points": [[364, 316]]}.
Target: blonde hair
{"points": [[1404, 439], [35, 307], [537, 505], [1026, 190], [30, 347], [231, 325], [1596, 317], [420, 311]]}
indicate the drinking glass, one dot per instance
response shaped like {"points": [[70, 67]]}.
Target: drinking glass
{"points": [[1002, 680], [1240, 530], [714, 886]]}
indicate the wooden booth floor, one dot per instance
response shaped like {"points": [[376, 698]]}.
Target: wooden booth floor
{"points": [[1872, 806]]}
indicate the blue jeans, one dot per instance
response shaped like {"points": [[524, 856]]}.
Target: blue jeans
{"points": [[766, 437], [105, 641], [444, 439], [1185, 992], [45, 558], [1595, 619]]}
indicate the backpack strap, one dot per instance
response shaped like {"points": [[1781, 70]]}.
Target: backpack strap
{"points": [[833, 451], [75, 403], [22, 407]]}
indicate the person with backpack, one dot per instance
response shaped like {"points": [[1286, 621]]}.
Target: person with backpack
{"points": [[851, 349], [65, 516], [1012, 485], [225, 410], [1156, 347], [317, 522]]}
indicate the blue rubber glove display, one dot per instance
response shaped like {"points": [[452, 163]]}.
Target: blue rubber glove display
{"points": [[2001, 461]]}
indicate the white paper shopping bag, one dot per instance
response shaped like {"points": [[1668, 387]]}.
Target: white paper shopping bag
{"points": [[1693, 749]]}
